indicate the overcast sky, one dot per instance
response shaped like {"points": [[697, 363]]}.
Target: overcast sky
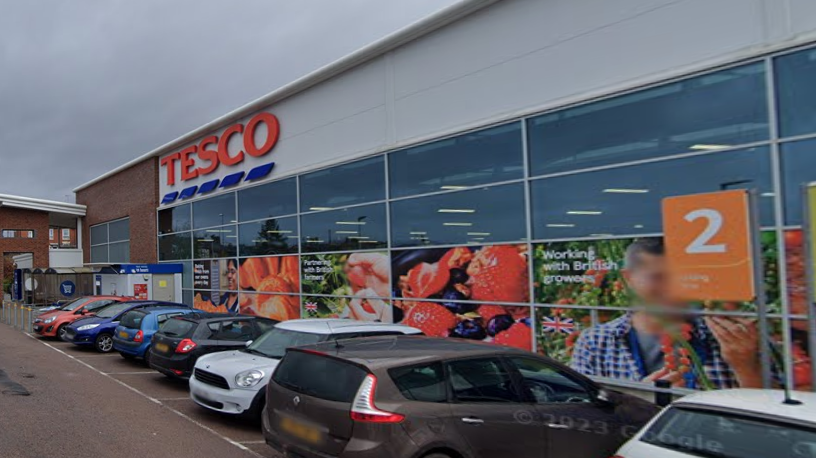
{"points": [[87, 85]]}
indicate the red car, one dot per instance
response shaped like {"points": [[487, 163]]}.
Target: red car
{"points": [[54, 323]]}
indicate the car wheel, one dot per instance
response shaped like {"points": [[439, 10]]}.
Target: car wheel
{"points": [[104, 343], [147, 357], [61, 330]]}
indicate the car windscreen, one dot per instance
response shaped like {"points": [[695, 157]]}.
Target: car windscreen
{"points": [[133, 319], [274, 343], [714, 434], [319, 376], [113, 310], [73, 305], [177, 328]]}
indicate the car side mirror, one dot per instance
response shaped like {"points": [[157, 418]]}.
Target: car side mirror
{"points": [[249, 342], [607, 398]]}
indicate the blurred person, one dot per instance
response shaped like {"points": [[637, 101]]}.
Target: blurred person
{"points": [[230, 299], [632, 346]]}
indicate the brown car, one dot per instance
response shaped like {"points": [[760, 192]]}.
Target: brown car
{"points": [[422, 397]]}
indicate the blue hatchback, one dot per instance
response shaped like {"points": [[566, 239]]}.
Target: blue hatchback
{"points": [[134, 334], [97, 330]]}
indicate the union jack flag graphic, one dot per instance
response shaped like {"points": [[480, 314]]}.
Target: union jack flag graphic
{"points": [[311, 306], [558, 324]]}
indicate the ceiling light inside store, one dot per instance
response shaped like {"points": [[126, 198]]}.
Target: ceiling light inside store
{"points": [[458, 224], [625, 191], [317, 209], [453, 188], [708, 147], [278, 232], [768, 194], [314, 241], [357, 238], [205, 240], [369, 241], [418, 233], [346, 232], [479, 233], [638, 226], [560, 225], [584, 212], [456, 210], [351, 223]]}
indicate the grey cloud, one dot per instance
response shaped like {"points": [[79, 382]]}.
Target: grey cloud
{"points": [[86, 85]]}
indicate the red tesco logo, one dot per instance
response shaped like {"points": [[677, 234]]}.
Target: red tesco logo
{"points": [[213, 151]]}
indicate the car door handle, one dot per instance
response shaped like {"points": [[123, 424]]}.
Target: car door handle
{"points": [[472, 420], [557, 426]]}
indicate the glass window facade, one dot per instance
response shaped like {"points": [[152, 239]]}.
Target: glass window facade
{"points": [[530, 233], [110, 242]]}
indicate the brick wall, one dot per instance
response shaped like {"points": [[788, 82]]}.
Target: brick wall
{"points": [[13, 218], [132, 193]]}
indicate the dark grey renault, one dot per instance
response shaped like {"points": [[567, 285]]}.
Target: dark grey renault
{"points": [[422, 397]]}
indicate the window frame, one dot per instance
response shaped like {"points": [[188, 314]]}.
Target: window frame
{"points": [[504, 365], [108, 242], [588, 385]]}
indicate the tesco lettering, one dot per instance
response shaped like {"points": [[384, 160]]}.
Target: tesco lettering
{"points": [[204, 158]]}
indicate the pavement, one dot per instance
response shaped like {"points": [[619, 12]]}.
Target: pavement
{"points": [[57, 399]]}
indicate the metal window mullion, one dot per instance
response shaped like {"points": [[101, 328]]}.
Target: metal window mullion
{"points": [[387, 171], [528, 227], [779, 218]]}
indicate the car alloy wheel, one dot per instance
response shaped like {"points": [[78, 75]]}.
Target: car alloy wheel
{"points": [[104, 343], [61, 331]]}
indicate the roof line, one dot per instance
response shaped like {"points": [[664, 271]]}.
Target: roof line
{"points": [[402, 36], [53, 206]]}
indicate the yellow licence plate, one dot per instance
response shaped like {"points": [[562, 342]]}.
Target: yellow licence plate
{"points": [[123, 334], [162, 347], [299, 430]]}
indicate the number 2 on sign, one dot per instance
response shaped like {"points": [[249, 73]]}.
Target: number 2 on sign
{"points": [[701, 245]]}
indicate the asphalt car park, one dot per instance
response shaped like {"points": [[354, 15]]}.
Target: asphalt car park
{"points": [[124, 405]]}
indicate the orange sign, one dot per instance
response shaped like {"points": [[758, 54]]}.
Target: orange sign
{"points": [[709, 246]]}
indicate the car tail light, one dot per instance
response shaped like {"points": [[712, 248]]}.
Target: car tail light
{"points": [[139, 337], [186, 346], [363, 408], [177, 372]]}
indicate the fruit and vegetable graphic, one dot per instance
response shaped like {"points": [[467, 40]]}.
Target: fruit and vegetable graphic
{"points": [[442, 292], [276, 274]]}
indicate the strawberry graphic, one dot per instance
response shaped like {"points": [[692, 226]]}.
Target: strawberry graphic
{"points": [[433, 319], [519, 335], [425, 280], [499, 273], [487, 312]]}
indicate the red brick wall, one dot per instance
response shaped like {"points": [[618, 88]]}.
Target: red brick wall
{"points": [[13, 218], [132, 193]]}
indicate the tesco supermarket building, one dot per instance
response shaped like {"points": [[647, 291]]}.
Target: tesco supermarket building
{"points": [[483, 173]]}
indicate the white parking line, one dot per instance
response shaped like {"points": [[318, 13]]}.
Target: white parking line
{"points": [[187, 398], [253, 442], [152, 399], [130, 373]]}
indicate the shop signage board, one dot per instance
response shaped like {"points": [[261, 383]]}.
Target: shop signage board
{"points": [[710, 246]]}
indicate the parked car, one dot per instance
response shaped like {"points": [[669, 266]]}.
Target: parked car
{"points": [[427, 397], [97, 330], [730, 424], [133, 337], [234, 382], [55, 322], [182, 340], [57, 305]]}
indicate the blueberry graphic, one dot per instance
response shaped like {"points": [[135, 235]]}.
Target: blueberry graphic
{"points": [[458, 276], [454, 295], [469, 330], [498, 324]]}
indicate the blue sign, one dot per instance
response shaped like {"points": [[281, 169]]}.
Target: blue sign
{"points": [[150, 268], [67, 288]]}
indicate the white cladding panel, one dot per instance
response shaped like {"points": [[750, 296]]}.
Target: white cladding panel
{"points": [[512, 57]]}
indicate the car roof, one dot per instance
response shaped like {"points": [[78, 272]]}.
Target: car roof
{"points": [[394, 351], [335, 325], [759, 402], [200, 317], [160, 309]]}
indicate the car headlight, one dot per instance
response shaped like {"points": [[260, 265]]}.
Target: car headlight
{"points": [[50, 320], [87, 327], [248, 378]]}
